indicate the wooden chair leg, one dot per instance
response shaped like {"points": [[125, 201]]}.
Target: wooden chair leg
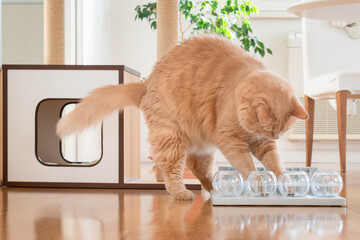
{"points": [[341, 100], [309, 126]]}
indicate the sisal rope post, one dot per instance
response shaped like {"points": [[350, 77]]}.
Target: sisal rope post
{"points": [[167, 26], [167, 37], [54, 32]]}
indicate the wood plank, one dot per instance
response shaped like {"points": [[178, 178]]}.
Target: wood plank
{"points": [[131, 136], [341, 103], [1, 131], [309, 128]]}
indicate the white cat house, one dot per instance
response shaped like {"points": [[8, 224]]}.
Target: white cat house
{"points": [[34, 98]]}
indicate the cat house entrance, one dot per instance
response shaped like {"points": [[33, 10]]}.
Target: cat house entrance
{"points": [[82, 149]]}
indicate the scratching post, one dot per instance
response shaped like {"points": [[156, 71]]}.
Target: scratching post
{"points": [[54, 32], [167, 36], [167, 26]]}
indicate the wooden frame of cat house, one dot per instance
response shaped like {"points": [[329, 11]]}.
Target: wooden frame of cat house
{"points": [[34, 99]]}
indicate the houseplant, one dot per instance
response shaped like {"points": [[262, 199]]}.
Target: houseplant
{"points": [[228, 18]]}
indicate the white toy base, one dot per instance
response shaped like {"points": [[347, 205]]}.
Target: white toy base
{"points": [[276, 200]]}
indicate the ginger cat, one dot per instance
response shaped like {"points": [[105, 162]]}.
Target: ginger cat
{"points": [[206, 93]]}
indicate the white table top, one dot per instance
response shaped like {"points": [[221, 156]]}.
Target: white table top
{"points": [[330, 10]]}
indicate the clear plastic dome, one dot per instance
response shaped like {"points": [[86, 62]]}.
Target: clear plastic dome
{"points": [[294, 184], [326, 184], [261, 183], [228, 183]]}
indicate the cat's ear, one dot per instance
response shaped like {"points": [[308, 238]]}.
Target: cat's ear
{"points": [[264, 115], [298, 110]]}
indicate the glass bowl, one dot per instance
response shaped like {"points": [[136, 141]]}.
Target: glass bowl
{"points": [[261, 184], [294, 184], [326, 184], [228, 183]]}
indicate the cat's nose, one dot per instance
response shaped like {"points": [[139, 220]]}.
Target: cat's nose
{"points": [[274, 135], [279, 135]]}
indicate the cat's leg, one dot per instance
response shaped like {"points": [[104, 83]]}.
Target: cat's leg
{"points": [[169, 150], [266, 151], [237, 153], [201, 166]]}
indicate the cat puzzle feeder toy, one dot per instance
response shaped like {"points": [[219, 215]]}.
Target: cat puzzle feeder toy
{"points": [[228, 183], [295, 186]]}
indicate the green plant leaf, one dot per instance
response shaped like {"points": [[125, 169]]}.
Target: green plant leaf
{"points": [[261, 52], [260, 44], [153, 25], [252, 42], [228, 18]]}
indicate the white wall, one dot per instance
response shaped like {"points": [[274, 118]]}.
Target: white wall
{"points": [[94, 32], [133, 42], [22, 33], [116, 38]]}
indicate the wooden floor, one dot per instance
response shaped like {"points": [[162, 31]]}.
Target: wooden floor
{"points": [[29, 213]]}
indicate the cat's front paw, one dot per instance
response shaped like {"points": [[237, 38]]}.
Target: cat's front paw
{"points": [[184, 195], [207, 184]]}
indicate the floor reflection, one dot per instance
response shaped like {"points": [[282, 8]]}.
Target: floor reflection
{"points": [[283, 223], [133, 214], [200, 220], [60, 214]]}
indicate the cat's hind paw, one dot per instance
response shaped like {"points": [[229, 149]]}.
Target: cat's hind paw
{"points": [[186, 195]]}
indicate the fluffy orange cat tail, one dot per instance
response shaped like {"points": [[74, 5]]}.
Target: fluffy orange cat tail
{"points": [[98, 104]]}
